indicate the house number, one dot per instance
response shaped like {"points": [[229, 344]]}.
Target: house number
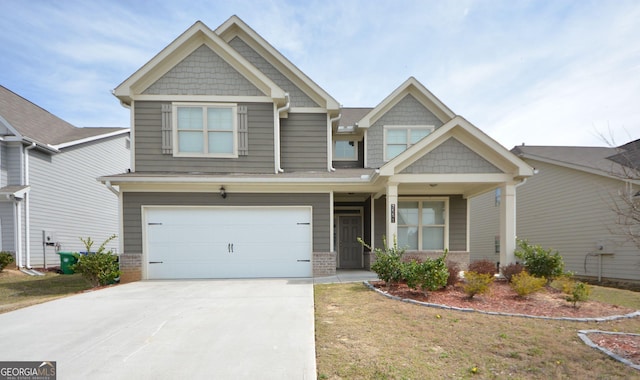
{"points": [[393, 213]]}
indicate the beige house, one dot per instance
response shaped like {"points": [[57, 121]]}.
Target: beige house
{"points": [[568, 206]]}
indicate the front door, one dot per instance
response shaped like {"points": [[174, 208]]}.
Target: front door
{"points": [[349, 250]]}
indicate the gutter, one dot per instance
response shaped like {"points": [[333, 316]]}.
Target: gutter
{"points": [[111, 188], [330, 167], [276, 132]]}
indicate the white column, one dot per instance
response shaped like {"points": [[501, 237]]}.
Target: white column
{"points": [[392, 213], [507, 224]]}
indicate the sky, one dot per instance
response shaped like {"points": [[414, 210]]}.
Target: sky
{"points": [[561, 72]]}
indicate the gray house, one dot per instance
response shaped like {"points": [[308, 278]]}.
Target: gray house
{"points": [[568, 205], [244, 167], [49, 195]]}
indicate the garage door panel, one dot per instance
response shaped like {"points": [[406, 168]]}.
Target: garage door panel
{"points": [[230, 242]]}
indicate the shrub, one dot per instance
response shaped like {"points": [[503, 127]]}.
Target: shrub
{"points": [[510, 270], [564, 283], [524, 284], [483, 266], [428, 274], [477, 283], [454, 272], [540, 262], [388, 265], [100, 267], [6, 258], [579, 293]]}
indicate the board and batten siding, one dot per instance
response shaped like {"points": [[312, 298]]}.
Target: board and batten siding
{"points": [[304, 142], [133, 202], [66, 197], [570, 211], [148, 144], [407, 111]]}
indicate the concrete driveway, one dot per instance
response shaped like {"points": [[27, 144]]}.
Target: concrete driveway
{"points": [[213, 329]]}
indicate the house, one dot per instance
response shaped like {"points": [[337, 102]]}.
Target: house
{"points": [[49, 195], [242, 166], [568, 205]]}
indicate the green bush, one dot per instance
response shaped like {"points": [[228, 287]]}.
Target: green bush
{"points": [[100, 267], [579, 293], [477, 283], [540, 262], [510, 270], [6, 258], [524, 284], [388, 265], [431, 274], [483, 266]]}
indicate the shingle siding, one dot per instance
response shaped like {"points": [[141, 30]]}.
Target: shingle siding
{"points": [[148, 144], [407, 111], [298, 97], [304, 142], [451, 157], [203, 72], [133, 202]]}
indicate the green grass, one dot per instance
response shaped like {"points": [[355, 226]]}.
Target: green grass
{"points": [[18, 290], [363, 335]]}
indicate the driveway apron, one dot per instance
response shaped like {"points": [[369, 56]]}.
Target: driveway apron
{"points": [[207, 329]]}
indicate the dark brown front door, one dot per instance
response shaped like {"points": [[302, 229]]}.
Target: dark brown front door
{"points": [[349, 250]]}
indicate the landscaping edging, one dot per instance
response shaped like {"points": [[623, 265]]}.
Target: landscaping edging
{"points": [[582, 334], [439, 306]]}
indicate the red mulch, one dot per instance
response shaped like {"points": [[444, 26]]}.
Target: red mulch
{"points": [[626, 346]]}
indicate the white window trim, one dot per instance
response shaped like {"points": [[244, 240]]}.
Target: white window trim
{"points": [[176, 142], [355, 146], [446, 217], [386, 128]]}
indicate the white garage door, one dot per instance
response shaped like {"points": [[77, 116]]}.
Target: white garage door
{"points": [[227, 242]]}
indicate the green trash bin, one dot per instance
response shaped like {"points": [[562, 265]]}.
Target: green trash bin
{"points": [[67, 259]]}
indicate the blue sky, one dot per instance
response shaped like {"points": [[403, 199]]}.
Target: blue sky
{"points": [[540, 72]]}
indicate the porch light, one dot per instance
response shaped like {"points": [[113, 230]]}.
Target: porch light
{"points": [[223, 192]]}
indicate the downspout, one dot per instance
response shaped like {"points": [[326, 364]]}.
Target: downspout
{"points": [[330, 143], [111, 188], [27, 221], [276, 132], [17, 232]]}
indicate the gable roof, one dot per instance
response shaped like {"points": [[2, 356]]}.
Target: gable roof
{"points": [[235, 27], [193, 38], [470, 136], [605, 161], [418, 91], [31, 123]]}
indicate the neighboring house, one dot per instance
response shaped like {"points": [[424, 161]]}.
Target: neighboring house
{"points": [[49, 193], [568, 206], [242, 166]]}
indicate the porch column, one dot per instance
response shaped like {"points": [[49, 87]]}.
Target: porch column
{"points": [[507, 224], [392, 213]]}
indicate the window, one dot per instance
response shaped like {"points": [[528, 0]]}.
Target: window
{"points": [[205, 130], [344, 150], [397, 138], [498, 197], [422, 224]]}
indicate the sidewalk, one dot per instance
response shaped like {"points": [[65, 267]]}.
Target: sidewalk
{"points": [[347, 275]]}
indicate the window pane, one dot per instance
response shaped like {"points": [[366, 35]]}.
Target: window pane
{"points": [[345, 150], [432, 237], [394, 150], [408, 213], [396, 136], [220, 119], [418, 134], [220, 142], [190, 142], [408, 238], [432, 213], [189, 118]]}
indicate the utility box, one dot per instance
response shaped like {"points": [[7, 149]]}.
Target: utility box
{"points": [[48, 237]]}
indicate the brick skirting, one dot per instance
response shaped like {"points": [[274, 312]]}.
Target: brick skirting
{"points": [[324, 264]]}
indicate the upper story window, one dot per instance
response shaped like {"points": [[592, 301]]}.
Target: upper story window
{"points": [[398, 138], [205, 130], [344, 150]]}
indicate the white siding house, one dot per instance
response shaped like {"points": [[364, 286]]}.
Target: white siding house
{"points": [[49, 195], [567, 206]]}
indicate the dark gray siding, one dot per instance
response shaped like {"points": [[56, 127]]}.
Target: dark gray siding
{"points": [[148, 144], [132, 214], [303, 139], [380, 228], [458, 223]]}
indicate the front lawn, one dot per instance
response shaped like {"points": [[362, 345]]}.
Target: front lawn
{"points": [[18, 290], [363, 335]]}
